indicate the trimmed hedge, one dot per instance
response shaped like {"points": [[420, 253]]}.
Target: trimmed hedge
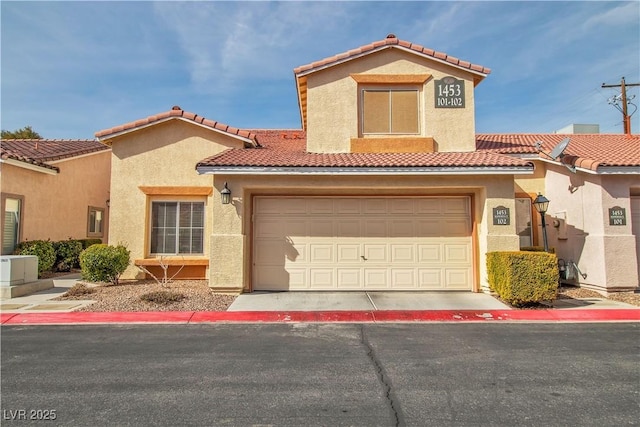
{"points": [[104, 263], [67, 254], [521, 278], [43, 249]]}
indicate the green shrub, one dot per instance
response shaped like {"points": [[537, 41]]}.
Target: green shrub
{"points": [[522, 278], [162, 297], [40, 248], [104, 263], [67, 254], [79, 289], [88, 242]]}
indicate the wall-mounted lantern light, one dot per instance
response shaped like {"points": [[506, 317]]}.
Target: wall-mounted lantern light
{"points": [[225, 193], [541, 204]]}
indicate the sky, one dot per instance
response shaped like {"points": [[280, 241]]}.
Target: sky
{"points": [[71, 69]]}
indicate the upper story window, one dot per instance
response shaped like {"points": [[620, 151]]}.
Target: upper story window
{"points": [[390, 111]]}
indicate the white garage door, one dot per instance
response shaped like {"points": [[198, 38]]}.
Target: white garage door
{"points": [[362, 244]]}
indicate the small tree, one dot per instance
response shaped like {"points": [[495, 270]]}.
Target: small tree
{"points": [[165, 279], [104, 263], [23, 133]]}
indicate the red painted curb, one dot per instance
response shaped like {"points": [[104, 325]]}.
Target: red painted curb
{"points": [[4, 317], [100, 317], [188, 317]]}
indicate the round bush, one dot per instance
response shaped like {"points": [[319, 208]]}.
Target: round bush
{"points": [[42, 249], [67, 254], [104, 263]]}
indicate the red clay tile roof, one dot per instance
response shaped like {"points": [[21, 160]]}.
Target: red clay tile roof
{"points": [[40, 151], [287, 148], [389, 42], [587, 151], [175, 113]]}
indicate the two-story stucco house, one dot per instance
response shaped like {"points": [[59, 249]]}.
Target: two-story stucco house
{"points": [[386, 186], [53, 189]]}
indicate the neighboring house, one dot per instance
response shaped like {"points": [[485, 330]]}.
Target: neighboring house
{"points": [[53, 189], [594, 210], [385, 187]]}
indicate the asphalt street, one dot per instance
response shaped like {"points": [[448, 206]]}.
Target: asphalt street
{"points": [[533, 374]]}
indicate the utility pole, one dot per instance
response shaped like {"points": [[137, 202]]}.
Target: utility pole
{"points": [[626, 119]]}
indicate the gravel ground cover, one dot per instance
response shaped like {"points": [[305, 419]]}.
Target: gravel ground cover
{"points": [[126, 296]]}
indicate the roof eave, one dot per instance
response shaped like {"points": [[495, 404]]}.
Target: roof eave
{"points": [[307, 170], [52, 170], [106, 139]]}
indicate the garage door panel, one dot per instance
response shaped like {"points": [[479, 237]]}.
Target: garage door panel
{"points": [[403, 253], [298, 278], [375, 252], [430, 278], [429, 206], [320, 228], [348, 228], [273, 278], [375, 228], [456, 253], [402, 228], [321, 278], [348, 253], [455, 206], [320, 206], [403, 206], [348, 207], [430, 253], [294, 227], [269, 228], [428, 227], [360, 244], [403, 278], [374, 206], [376, 278], [321, 253], [457, 278], [269, 252], [349, 278], [455, 226]]}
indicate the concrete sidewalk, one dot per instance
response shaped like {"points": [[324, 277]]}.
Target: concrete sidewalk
{"points": [[319, 307]]}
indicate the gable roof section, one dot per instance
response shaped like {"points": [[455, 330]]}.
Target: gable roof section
{"points": [[176, 113], [284, 151], [38, 152], [390, 42], [591, 152]]}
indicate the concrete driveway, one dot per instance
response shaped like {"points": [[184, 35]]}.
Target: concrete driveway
{"points": [[367, 301]]}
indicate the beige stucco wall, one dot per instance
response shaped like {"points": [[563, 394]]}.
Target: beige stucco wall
{"points": [[56, 206], [607, 254], [333, 97], [163, 155], [230, 243], [532, 184]]}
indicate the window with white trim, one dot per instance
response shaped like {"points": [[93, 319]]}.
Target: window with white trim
{"points": [[177, 228], [95, 219], [390, 111]]}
